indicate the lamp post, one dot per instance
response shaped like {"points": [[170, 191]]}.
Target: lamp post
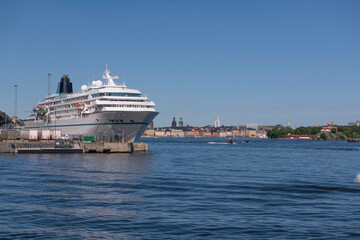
{"points": [[49, 83], [15, 101]]}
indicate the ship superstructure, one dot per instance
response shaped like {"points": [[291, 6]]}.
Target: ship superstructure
{"points": [[104, 110]]}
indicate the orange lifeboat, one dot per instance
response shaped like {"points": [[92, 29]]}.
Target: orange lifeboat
{"points": [[80, 106]]}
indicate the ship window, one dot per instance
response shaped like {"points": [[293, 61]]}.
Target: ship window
{"points": [[131, 120], [112, 120], [97, 120], [121, 120], [116, 120]]}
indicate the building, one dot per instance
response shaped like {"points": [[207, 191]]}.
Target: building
{"points": [[173, 123], [299, 137], [151, 124], [181, 123], [207, 134], [189, 134], [217, 122], [329, 127], [214, 134], [251, 133], [160, 133], [177, 133], [235, 133], [222, 134], [150, 132], [252, 126], [261, 133], [357, 123]]}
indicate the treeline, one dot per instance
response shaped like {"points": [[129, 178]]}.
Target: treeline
{"points": [[4, 119], [349, 132], [282, 132]]}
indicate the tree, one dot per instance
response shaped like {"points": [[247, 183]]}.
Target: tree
{"points": [[323, 136]]}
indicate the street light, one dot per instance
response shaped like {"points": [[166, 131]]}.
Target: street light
{"points": [[49, 83]]}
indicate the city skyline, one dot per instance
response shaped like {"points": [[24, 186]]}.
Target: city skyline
{"points": [[248, 62]]}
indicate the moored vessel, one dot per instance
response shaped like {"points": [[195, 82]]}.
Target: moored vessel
{"points": [[104, 110]]}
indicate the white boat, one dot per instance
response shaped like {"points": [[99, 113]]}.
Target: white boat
{"points": [[106, 111]]}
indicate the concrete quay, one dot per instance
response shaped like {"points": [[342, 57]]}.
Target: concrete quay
{"points": [[54, 147], [111, 147]]}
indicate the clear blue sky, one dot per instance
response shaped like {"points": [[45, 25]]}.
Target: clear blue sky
{"points": [[246, 61]]}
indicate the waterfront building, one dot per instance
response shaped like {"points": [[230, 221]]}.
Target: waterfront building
{"points": [[217, 122], [198, 133], [222, 134], [173, 123], [251, 133], [189, 133], [242, 133], [214, 134], [160, 133], [229, 134], [151, 132], [177, 133], [303, 137], [207, 134], [235, 133], [261, 134]]}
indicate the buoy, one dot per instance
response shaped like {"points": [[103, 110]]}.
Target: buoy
{"points": [[357, 178]]}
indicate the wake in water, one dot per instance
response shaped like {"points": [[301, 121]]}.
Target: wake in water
{"points": [[221, 143]]}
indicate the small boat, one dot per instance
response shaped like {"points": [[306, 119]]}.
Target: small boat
{"points": [[229, 141], [246, 141]]}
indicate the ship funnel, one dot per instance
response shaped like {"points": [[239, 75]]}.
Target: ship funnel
{"points": [[65, 86]]}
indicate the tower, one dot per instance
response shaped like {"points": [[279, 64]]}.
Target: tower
{"points": [[217, 122], [15, 101], [181, 123], [173, 124], [288, 122]]}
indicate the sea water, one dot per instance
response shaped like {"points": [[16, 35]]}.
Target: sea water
{"points": [[185, 189]]}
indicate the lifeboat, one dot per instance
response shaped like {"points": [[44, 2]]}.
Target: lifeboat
{"points": [[36, 109], [42, 109], [80, 106]]}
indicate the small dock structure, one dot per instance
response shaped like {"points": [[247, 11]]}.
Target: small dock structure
{"points": [[60, 146], [49, 141]]}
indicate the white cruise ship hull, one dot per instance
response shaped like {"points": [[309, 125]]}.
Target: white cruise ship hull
{"points": [[110, 126]]}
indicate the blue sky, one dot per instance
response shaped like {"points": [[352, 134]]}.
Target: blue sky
{"points": [[246, 61]]}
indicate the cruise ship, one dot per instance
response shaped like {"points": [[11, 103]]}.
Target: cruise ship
{"points": [[104, 110]]}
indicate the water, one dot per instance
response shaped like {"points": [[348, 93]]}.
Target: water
{"points": [[186, 189]]}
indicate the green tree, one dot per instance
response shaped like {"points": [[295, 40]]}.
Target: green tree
{"points": [[323, 136]]}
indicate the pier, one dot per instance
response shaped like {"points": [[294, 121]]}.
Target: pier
{"points": [[67, 146]]}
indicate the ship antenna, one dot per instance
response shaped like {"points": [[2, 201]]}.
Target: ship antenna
{"points": [[109, 78]]}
